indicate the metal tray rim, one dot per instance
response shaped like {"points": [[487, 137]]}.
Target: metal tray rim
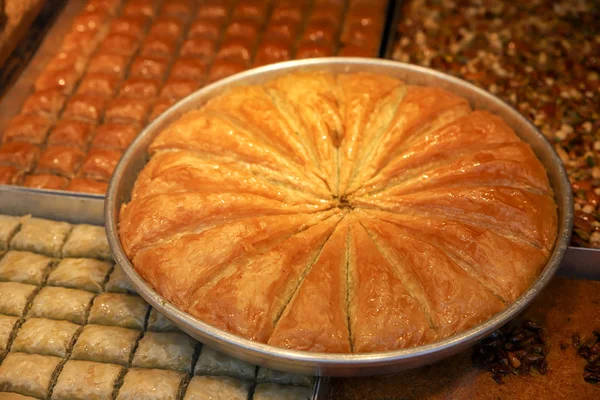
{"points": [[319, 363]]}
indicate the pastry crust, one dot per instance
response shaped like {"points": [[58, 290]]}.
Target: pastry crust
{"points": [[205, 27], [60, 160], [157, 322], [106, 344], [47, 103], [118, 282], [151, 384], [322, 295], [188, 68], [80, 273], [216, 387], [129, 25], [212, 362], [8, 227], [24, 267], [87, 241], [62, 304], [236, 299], [140, 88], [45, 181], [71, 133], [108, 63], [7, 323], [125, 110], [27, 374], [165, 350], [100, 164], [159, 46], [45, 336], [87, 107], [10, 175], [148, 67], [178, 88], [22, 155], [87, 186], [181, 9], [336, 213], [27, 128], [116, 309], [14, 297], [86, 380], [41, 236]]}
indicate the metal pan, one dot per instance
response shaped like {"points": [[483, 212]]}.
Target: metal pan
{"points": [[339, 364], [53, 204]]}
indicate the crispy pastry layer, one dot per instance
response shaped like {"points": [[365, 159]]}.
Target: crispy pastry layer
{"points": [[340, 213]]}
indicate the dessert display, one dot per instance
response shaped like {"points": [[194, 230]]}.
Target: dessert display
{"points": [[124, 62], [541, 57], [72, 327], [340, 213]]}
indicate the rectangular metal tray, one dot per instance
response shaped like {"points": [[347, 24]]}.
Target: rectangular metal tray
{"points": [[80, 208]]}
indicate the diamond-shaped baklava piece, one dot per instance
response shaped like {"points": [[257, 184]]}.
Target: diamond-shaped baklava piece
{"points": [[157, 322], [217, 387], [45, 336], [80, 273], [41, 236], [24, 267], [28, 374], [108, 344], [62, 303], [125, 310], [86, 380], [87, 241], [150, 384], [8, 227], [7, 323], [211, 362], [165, 350], [118, 282], [14, 296]]}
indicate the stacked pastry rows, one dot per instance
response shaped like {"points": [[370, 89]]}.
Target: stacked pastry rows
{"points": [[125, 62], [340, 213], [71, 327]]}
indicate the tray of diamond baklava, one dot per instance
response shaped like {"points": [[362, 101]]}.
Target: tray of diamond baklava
{"points": [[106, 68], [72, 327]]}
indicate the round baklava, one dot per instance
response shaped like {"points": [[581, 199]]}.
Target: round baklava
{"points": [[340, 213]]}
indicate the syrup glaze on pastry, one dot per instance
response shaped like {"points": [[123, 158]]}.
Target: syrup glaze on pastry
{"points": [[340, 213]]}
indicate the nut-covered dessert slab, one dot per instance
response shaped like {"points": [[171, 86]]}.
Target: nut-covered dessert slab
{"points": [[338, 211]]}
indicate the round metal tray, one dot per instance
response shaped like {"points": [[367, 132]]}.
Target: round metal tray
{"points": [[136, 157]]}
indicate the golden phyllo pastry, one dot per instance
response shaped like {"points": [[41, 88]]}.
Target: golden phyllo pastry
{"points": [[340, 213]]}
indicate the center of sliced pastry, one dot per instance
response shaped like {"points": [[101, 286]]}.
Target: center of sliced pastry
{"points": [[343, 202]]}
